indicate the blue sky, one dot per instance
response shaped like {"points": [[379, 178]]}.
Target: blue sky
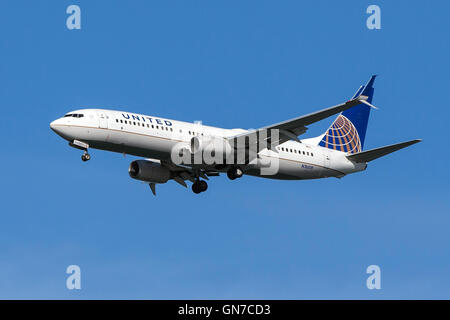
{"points": [[238, 64]]}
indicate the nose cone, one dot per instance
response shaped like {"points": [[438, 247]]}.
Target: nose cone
{"points": [[58, 127], [53, 125]]}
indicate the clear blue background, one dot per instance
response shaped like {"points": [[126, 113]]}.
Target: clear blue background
{"points": [[233, 64]]}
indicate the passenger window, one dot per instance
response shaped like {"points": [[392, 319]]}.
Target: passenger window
{"points": [[121, 121], [312, 154]]}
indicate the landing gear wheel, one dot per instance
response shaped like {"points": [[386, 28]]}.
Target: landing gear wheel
{"points": [[234, 173], [199, 186], [196, 187], [203, 185], [230, 174], [86, 157]]}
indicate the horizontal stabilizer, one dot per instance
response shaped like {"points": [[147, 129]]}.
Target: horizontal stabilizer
{"points": [[373, 154]]}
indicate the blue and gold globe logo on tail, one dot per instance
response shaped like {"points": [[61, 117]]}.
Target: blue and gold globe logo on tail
{"points": [[342, 136]]}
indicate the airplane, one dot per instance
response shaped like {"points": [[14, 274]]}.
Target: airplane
{"points": [[274, 151]]}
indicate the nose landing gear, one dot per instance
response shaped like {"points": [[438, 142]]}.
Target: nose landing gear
{"points": [[85, 156], [81, 146]]}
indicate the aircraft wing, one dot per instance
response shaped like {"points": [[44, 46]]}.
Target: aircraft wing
{"points": [[182, 173], [291, 129], [187, 173], [369, 155]]}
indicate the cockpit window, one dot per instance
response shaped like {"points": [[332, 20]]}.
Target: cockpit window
{"points": [[75, 115]]}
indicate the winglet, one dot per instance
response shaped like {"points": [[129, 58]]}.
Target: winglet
{"points": [[369, 84], [365, 93], [366, 90], [367, 103]]}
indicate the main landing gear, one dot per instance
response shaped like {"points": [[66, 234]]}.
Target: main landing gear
{"points": [[234, 173], [199, 186]]}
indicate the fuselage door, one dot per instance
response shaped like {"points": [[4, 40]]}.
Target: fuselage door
{"points": [[102, 120], [326, 162]]}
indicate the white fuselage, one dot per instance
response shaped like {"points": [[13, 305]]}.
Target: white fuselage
{"points": [[154, 137]]}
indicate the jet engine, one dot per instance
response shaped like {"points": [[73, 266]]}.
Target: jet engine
{"points": [[148, 171]]}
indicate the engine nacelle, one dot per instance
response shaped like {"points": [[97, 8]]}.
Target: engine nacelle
{"points": [[211, 148], [148, 171]]}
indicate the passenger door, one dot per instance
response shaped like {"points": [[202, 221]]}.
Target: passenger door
{"points": [[102, 120]]}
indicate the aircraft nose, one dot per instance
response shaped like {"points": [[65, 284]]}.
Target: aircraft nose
{"points": [[56, 126], [62, 128]]}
